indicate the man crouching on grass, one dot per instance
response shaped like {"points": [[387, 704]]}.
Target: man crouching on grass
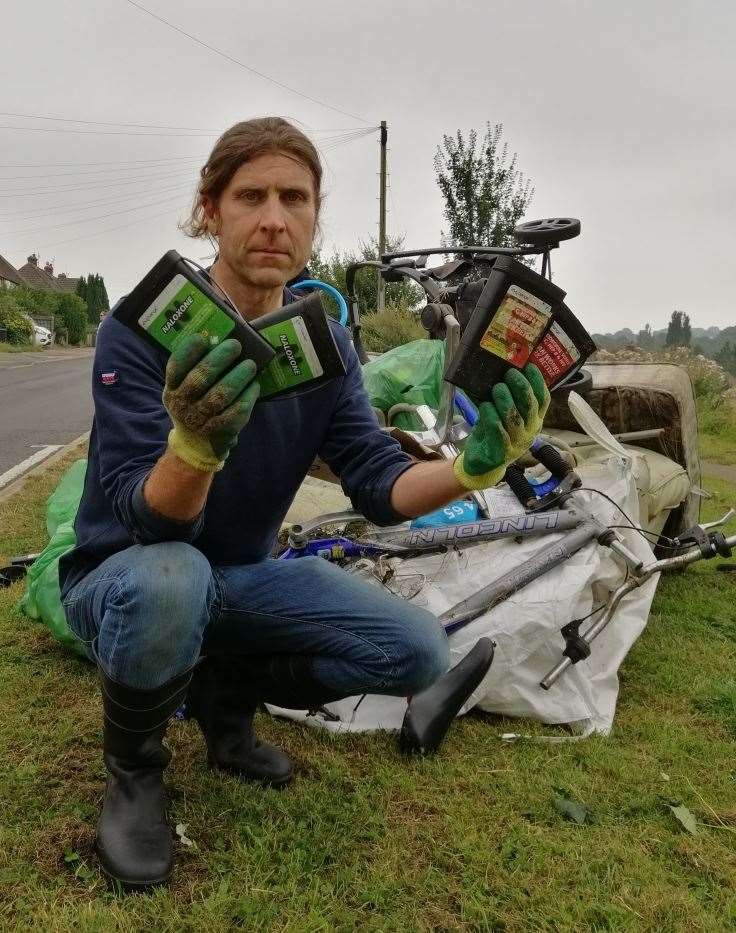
{"points": [[171, 586]]}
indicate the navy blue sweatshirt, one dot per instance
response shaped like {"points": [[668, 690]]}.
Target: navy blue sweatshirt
{"points": [[250, 496]]}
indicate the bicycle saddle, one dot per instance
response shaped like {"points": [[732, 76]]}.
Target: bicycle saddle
{"points": [[431, 712]]}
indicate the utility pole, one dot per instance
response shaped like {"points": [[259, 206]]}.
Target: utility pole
{"points": [[382, 216]]}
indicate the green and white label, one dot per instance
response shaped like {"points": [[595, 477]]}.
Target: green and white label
{"points": [[296, 360], [182, 309]]}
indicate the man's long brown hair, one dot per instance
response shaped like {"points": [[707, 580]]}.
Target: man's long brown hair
{"points": [[239, 144]]}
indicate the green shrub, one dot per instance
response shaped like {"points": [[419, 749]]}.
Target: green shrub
{"points": [[32, 301], [333, 270], [71, 316], [717, 414], [19, 328], [392, 327], [69, 310]]}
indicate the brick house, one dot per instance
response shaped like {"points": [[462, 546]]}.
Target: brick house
{"points": [[44, 279]]}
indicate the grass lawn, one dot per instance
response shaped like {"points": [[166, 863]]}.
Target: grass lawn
{"points": [[364, 840], [717, 433], [719, 448], [23, 348]]}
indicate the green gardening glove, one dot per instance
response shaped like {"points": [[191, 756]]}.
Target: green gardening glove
{"points": [[209, 402], [505, 428]]}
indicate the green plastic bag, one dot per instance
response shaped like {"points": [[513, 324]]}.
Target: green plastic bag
{"points": [[409, 374], [42, 599]]}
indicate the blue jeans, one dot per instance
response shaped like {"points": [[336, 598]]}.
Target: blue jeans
{"points": [[153, 609]]}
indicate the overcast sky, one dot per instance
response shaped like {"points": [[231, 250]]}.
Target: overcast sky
{"points": [[623, 115]]}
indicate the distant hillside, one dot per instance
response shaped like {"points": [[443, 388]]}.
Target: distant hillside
{"points": [[708, 341]]}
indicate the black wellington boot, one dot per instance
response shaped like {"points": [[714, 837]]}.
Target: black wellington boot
{"points": [[223, 702], [134, 841], [430, 713]]}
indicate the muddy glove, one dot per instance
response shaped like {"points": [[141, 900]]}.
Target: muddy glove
{"points": [[209, 402], [505, 428]]}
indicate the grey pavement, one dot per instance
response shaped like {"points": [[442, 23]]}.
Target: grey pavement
{"points": [[45, 399], [720, 471]]}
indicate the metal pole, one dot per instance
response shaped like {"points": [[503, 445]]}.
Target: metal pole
{"points": [[382, 216]]}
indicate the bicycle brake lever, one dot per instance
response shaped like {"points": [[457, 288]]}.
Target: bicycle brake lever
{"points": [[702, 536], [299, 532]]}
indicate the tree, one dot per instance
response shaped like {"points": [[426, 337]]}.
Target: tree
{"points": [[679, 331], [726, 357], [72, 312], [485, 194], [687, 333], [81, 289], [93, 292], [332, 270], [674, 330]]}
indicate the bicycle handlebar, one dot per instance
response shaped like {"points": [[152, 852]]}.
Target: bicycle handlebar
{"points": [[467, 251], [641, 573]]}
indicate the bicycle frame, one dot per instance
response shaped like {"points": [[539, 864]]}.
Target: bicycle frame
{"points": [[579, 528], [400, 541]]}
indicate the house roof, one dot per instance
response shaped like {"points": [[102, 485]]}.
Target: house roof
{"points": [[35, 277], [66, 284], [9, 272], [42, 278]]}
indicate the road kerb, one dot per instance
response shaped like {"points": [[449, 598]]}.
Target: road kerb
{"points": [[12, 488]]}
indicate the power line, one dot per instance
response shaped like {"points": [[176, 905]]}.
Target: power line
{"points": [[155, 135], [86, 236], [50, 129], [332, 143], [33, 192], [152, 126], [106, 201], [102, 162], [97, 171], [347, 137], [87, 205], [71, 223], [141, 126], [235, 61], [336, 145]]}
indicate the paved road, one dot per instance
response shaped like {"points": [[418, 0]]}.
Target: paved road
{"points": [[720, 471], [44, 399]]}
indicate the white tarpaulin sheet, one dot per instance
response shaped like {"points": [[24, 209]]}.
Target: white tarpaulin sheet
{"points": [[526, 628]]}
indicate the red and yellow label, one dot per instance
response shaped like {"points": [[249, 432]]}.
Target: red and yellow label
{"points": [[516, 326], [556, 355]]}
